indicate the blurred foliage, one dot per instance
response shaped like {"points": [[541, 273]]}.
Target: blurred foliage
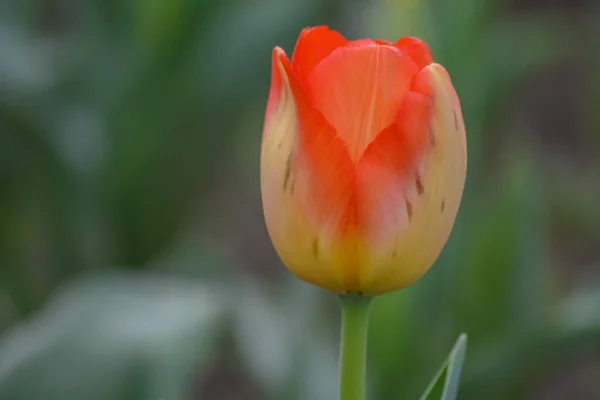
{"points": [[114, 337], [130, 138]]}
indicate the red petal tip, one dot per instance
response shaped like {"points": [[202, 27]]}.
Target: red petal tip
{"points": [[313, 45]]}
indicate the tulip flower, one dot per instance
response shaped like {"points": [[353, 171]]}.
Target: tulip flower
{"points": [[363, 161], [363, 166]]}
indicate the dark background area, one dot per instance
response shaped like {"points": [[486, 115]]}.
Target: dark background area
{"points": [[134, 259]]}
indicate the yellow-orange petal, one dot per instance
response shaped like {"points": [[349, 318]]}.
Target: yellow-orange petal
{"points": [[388, 171], [306, 183], [424, 205], [276, 83]]}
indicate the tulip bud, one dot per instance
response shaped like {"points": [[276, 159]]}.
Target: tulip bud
{"points": [[363, 161]]}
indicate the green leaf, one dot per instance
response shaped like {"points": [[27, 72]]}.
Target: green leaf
{"points": [[450, 372]]}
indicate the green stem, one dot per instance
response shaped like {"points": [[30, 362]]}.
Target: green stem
{"points": [[353, 350]]}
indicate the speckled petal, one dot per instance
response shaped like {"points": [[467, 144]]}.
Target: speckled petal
{"points": [[431, 199], [307, 186]]}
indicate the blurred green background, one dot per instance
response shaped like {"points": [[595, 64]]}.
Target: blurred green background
{"points": [[134, 260]]}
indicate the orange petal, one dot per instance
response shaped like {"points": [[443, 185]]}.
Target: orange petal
{"points": [[413, 120], [359, 89], [307, 188], [415, 49], [388, 171], [423, 84], [322, 166], [313, 45]]}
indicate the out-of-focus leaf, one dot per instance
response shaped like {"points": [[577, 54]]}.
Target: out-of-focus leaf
{"points": [[24, 68], [578, 313], [501, 254], [390, 332], [504, 368], [272, 339], [118, 336], [449, 374]]}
